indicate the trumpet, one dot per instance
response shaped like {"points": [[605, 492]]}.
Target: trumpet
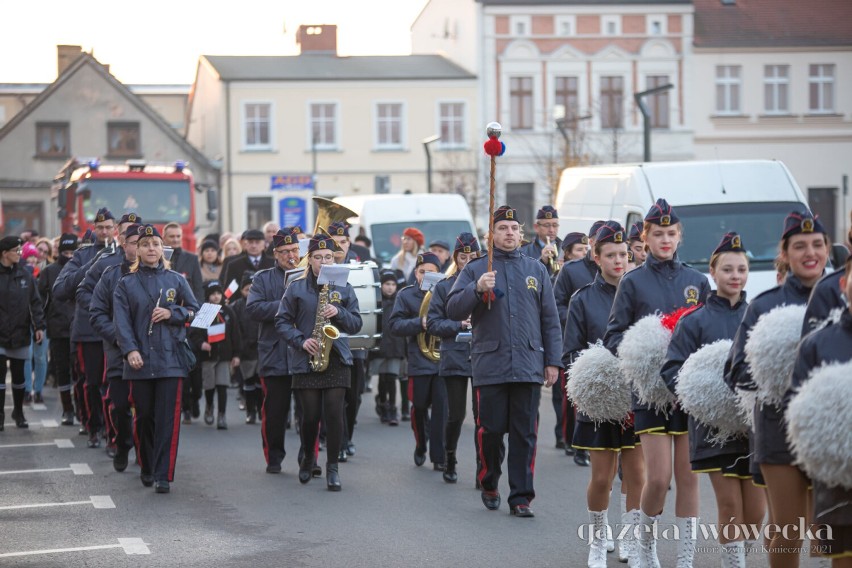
{"points": [[553, 263]]}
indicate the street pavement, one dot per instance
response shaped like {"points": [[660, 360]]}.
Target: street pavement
{"points": [[62, 504]]}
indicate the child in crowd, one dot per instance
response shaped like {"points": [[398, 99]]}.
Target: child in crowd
{"points": [[387, 362], [249, 330]]}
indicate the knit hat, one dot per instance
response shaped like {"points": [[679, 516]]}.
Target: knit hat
{"points": [[28, 250], [415, 234], [68, 241], [209, 245]]}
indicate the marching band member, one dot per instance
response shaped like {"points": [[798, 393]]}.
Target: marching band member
{"points": [[574, 247], [454, 365], [151, 307], [516, 347], [264, 298], [588, 314], [637, 247], [303, 308], [662, 284], [426, 389], [804, 248], [546, 244], [827, 295], [739, 502]]}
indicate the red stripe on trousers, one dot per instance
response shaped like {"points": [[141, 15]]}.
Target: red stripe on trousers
{"points": [[412, 412], [263, 422], [135, 431], [175, 431], [482, 463], [109, 427]]}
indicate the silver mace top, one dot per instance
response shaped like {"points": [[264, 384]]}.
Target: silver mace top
{"points": [[494, 129]]}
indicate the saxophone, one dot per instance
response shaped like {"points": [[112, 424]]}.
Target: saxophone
{"points": [[324, 333]]}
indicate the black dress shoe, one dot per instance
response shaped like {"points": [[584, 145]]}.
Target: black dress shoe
{"points": [[94, 441], [419, 457], [316, 471], [332, 477], [560, 444], [20, 421], [119, 461], [276, 468], [569, 451], [350, 448], [342, 457], [162, 487], [305, 472], [581, 458], [83, 431], [438, 467], [521, 511], [450, 476], [38, 398], [491, 500], [196, 409], [67, 418], [147, 479]]}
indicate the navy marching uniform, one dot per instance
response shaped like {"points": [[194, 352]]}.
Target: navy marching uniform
{"points": [[825, 298], [513, 343], [263, 301], [155, 386], [454, 365], [426, 388], [534, 248]]}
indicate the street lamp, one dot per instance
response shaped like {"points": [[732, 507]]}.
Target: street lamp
{"points": [[646, 114], [426, 142]]}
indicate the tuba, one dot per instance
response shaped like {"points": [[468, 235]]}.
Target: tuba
{"points": [[328, 212], [430, 345], [324, 333]]}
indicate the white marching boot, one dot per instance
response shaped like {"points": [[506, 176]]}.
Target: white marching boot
{"points": [[597, 548], [627, 546], [610, 543], [733, 555], [687, 533], [626, 527], [646, 546]]}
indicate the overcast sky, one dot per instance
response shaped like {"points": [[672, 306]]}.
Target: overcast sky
{"points": [[159, 41]]}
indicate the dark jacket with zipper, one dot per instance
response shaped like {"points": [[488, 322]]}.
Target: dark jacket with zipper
{"points": [[69, 280], [455, 355], [249, 330], [21, 307], [573, 276], [825, 297], [391, 345], [405, 321], [264, 299], [59, 313], [101, 316]]}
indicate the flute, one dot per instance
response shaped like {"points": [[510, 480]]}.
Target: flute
{"points": [[151, 325]]}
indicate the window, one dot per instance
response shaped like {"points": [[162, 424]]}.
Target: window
{"points": [[658, 103], [611, 25], [565, 93], [565, 25], [257, 126], [451, 116], [258, 211], [612, 97], [656, 25], [776, 85], [52, 140], [521, 102], [389, 125], [323, 127], [728, 84], [821, 82], [123, 140], [520, 25]]}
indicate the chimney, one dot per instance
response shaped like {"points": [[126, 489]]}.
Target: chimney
{"points": [[65, 56], [321, 39]]}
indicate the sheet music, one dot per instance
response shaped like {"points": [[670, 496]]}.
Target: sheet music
{"points": [[334, 274], [303, 247], [430, 279], [205, 316]]}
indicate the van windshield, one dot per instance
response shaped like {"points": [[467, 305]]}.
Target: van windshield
{"points": [[387, 237], [759, 225]]}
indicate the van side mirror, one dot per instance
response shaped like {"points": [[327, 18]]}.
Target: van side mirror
{"points": [[838, 255], [212, 203]]}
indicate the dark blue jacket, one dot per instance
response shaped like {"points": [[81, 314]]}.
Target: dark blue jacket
{"points": [[264, 299], [249, 330], [69, 279], [405, 321], [588, 314], [455, 355], [134, 301], [391, 346], [770, 432], [825, 296], [85, 290], [829, 345], [101, 317], [713, 321], [534, 248], [573, 276], [297, 315], [21, 310], [520, 334], [59, 313]]}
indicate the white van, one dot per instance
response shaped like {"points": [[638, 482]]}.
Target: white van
{"points": [[751, 197], [383, 218]]}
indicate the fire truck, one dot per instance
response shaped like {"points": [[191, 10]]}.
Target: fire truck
{"points": [[159, 193]]}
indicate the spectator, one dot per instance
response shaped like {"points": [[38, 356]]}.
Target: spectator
{"points": [[231, 248], [211, 264], [412, 242]]}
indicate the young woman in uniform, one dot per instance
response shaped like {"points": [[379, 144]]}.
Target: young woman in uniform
{"points": [[151, 307], [804, 248], [739, 502], [663, 285]]}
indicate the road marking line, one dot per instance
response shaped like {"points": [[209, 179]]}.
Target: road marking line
{"points": [[102, 502], [50, 423], [97, 501], [59, 443], [129, 545], [38, 406], [76, 468]]}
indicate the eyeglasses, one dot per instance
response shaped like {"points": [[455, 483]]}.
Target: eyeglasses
{"points": [[549, 225], [323, 258]]}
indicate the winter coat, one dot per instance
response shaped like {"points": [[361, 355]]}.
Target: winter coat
{"points": [[391, 345], [264, 299], [21, 308], [405, 322], [573, 276], [221, 351], [59, 313], [249, 330], [455, 355], [101, 317]]}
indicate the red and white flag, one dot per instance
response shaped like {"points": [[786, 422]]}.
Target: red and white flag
{"points": [[232, 287], [216, 333]]}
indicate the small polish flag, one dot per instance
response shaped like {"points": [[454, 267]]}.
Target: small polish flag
{"points": [[232, 287], [216, 333]]}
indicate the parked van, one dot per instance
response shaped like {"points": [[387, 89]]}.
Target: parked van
{"points": [[751, 197], [383, 218]]}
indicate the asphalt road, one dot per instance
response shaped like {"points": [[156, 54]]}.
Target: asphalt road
{"points": [[224, 510]]}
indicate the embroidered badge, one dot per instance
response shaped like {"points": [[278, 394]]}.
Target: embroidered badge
{"points": [[334, 297], [321, 245], [665, 220], [149, 231], [618, 237], [131, 218], [548, 215], [466, 250], [585, 240], [807, 225], [691, 295], [510, 214], [532, 283], [736, 242], [170, 295]]}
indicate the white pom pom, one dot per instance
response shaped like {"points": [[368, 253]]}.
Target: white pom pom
{"points": [[641, 355], [703, 394], [819, 427], [770, 351], [596, 386]]}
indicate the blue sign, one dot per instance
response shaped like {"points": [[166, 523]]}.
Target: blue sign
{"points": [[292, 211], [292, 182]]}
